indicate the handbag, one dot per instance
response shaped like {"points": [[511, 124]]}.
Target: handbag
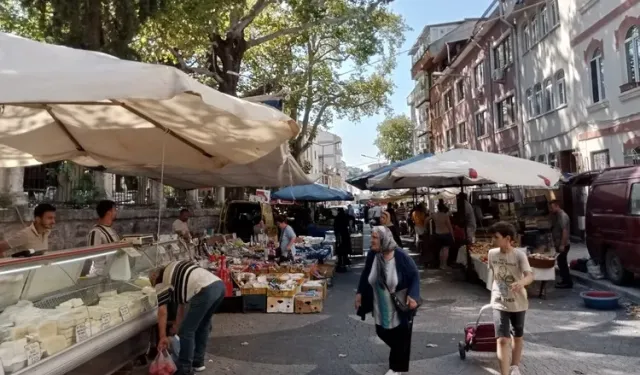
{"points": [[399, 297]]}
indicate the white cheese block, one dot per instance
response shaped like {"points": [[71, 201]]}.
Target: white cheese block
{"points": [[110, 293], [95, 312], [16, 346], [68, 332], [15, 363], [46, 328], [17, 333], [53, 345], [65, 322], [96, 327], [142, 282]]}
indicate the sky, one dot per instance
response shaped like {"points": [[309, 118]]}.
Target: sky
{"points": [[358, 138]]}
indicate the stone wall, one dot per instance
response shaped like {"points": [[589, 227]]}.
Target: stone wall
{"points": [[72, 226]]}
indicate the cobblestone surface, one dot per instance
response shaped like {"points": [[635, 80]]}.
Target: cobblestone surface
{"points": [[563, 337]]}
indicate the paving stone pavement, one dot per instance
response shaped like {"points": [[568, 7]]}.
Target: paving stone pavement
{"points": [[563, 337]]}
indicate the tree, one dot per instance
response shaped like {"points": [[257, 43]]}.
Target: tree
{"points": [[314, 52], [395, 136], [108, 26], [211, 38]]}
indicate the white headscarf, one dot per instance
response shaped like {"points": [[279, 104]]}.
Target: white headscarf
{"points": [[387, 243]]}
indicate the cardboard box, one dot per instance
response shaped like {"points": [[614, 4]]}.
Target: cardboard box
{"points": [[320, 289], [308, 304], [280, 305]]}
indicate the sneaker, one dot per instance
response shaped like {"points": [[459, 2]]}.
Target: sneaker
{"points": [[199, 368], [515, 370]]}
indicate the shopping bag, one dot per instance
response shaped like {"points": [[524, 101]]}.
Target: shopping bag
{"points": [[162, 365], [175, 347]]}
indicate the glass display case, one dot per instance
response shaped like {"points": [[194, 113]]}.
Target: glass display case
{"points": [[49, 309]]}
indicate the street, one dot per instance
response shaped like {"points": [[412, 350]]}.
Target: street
{"points": [[562, 336]]}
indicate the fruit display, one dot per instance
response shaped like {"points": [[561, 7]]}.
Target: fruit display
{"points": [[480, 250], [541, 257]]}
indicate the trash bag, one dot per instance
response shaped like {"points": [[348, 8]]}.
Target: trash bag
{"points": [[163, 364], [594, 270]]}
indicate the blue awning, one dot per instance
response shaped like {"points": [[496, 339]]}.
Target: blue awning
{"points": [[312, 193], [361, 181]]}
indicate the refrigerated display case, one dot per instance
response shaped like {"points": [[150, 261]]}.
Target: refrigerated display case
{"points": [[53, 320]]}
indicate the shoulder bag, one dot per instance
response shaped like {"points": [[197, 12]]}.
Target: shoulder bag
{"points": [[399, 297]]}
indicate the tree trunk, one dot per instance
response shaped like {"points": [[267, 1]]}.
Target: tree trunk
{"points": [[227, 57]]}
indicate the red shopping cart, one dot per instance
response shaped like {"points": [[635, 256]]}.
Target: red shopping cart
{"points": [[479, 337]]}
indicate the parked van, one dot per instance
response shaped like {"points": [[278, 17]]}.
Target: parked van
{"points": [[613, 222], [240, 216]]}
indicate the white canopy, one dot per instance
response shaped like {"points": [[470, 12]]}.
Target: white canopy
{"points": [[468, 167], [277, 169], [59, 103]]}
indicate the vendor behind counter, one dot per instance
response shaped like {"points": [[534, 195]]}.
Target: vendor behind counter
{"points": [[35, 236]]}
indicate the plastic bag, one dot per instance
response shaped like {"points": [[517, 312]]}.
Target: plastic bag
{"points": [[594, 270], [162, 365], [175, 348]]}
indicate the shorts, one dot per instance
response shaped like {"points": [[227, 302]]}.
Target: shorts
{"points": [[505, 320], [444, 240]]}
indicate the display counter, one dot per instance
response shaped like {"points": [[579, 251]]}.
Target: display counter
{"points": [[54, 320]]}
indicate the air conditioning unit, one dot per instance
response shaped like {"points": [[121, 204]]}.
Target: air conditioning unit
{"points": [[498, 74]]}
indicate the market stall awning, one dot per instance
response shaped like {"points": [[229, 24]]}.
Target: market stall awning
{"points": [[312, 193], [463, 167], [361, 180], [276, 169], [59, 103]]}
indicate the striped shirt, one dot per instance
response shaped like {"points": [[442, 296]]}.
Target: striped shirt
{"points": [[100, 235], [186, 279]]}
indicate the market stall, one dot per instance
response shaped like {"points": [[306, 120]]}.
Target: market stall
{"points": [[256, 283], [53, 320], [463, 167], [543, 266]]}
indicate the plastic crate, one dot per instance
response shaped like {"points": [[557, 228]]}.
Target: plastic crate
{"points": [[254, 303]]}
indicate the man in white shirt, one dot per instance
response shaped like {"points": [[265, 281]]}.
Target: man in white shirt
{"points": [[181, 225], [102, 233]]}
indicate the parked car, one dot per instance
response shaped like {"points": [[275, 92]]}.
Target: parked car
{"points": [[613, 222]]}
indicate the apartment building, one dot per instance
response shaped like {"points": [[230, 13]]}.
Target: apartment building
{"points": [[419, 96], [605, 39]]}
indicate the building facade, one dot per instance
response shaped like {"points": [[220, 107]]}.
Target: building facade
{"points": [[419, 97], [333, 169]]}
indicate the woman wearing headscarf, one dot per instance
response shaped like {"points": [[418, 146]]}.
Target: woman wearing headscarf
{"points": [[387, 220], [390, 289]]}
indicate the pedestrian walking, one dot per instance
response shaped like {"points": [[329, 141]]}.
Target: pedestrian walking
{"points": [[387, 221], [389, 288], [443, 238], [511, 274], [560, 225]]}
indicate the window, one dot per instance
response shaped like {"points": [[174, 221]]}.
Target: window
{"points": [[554, 12], [478, 74], [480, 128], [544, 21], [525, 38], [597, 77], [505, 112], [549, 99], [561, 87], [436, 109], [600, 160], [534, 31], [632, 50], [552, 160], [447, 100], [542, 159], [502, 53], [634, 200], [451, 138], [460, 90], [537, 89], [530, 108], [462, 132]]}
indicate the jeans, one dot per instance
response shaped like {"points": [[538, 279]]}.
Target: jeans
{"points": [[565, 275], [196, 326], [399, 340]]}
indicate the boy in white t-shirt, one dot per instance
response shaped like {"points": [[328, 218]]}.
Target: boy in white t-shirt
{"points": [[511, 274]]}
